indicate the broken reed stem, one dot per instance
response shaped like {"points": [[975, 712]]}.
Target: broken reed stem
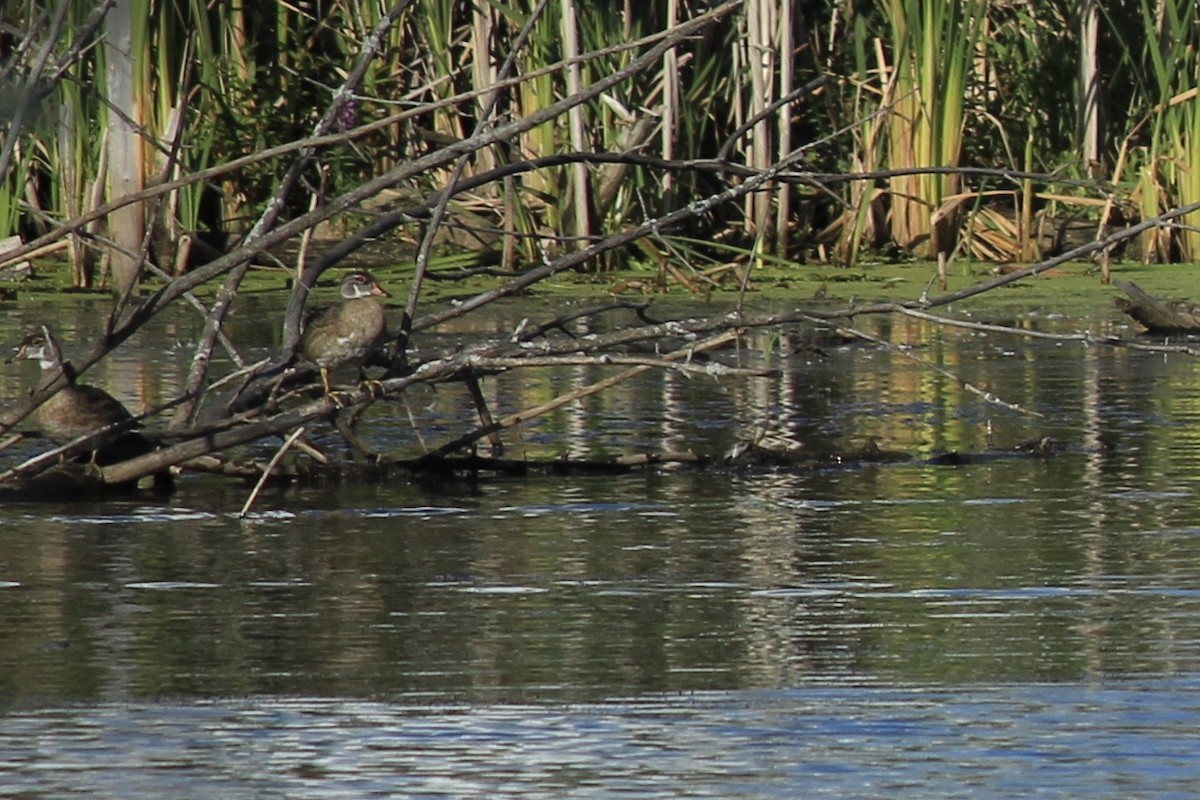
{"points": [[481, 407], [269, 468]]}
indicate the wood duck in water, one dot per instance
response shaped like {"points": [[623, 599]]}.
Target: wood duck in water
{"points": [[346, 333], [77, 410]]}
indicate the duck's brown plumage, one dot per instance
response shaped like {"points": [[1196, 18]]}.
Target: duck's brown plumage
{"points": [[345, 333], [77, 409]]}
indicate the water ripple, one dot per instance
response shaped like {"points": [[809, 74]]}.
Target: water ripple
{"points": [[1124, 740]]}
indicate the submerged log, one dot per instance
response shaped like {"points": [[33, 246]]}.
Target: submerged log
{"points": [[78, 481], [1156, 314], [85, 482]]}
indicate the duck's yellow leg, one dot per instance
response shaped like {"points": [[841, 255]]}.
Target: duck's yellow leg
{"points": [[339, 399]]}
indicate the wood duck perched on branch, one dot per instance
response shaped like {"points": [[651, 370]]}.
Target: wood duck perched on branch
{"points": [[346, 333], [77, 410]]}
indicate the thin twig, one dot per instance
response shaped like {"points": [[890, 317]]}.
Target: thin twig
{"points": [[269, 468], [712, 368]]}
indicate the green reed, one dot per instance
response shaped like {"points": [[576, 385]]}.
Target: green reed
{"points": [[1168, 176], [913, 85], [933, 47]]}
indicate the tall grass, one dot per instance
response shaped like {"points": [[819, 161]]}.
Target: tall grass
{"points": [[914, 85], [13, 186], [933, 46], [861, 222], [1169, 175]]}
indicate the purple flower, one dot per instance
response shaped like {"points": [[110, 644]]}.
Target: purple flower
{"points": [[347, 115]]}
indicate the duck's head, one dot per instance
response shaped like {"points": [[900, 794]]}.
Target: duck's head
{"points": [[361, 284], [40, 346]]}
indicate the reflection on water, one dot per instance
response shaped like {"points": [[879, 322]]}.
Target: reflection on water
{"points": [[853, 631]]}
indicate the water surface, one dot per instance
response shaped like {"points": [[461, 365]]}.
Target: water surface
{"points": [[1008, 627]]}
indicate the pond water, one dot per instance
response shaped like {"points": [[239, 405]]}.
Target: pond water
{"points": [[1015, 626]]}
